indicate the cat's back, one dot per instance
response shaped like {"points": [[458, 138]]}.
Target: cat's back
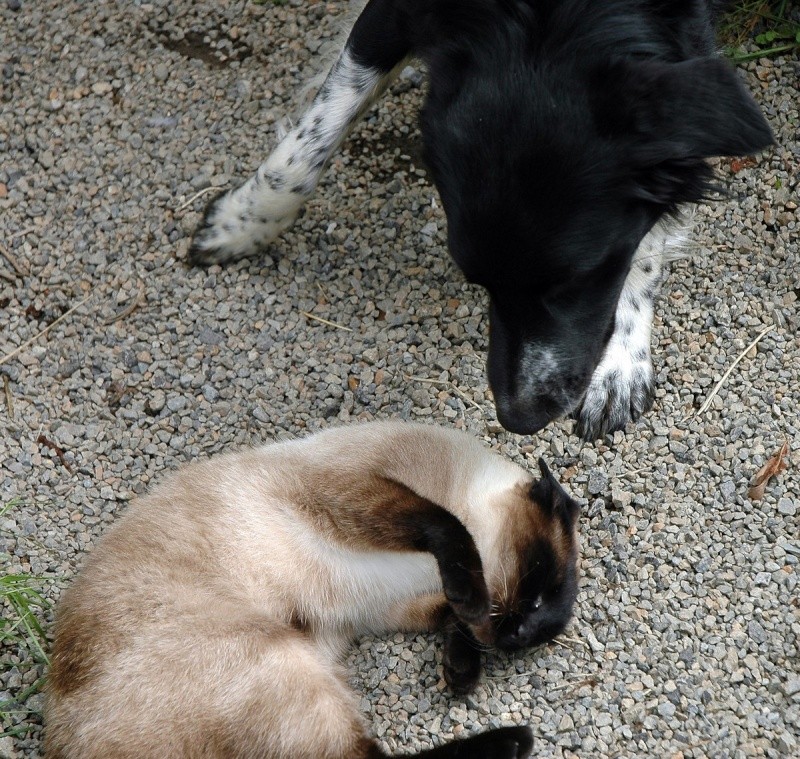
{"points": [[165, 580], [183, 534]]}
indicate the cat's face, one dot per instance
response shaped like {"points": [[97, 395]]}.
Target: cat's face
{"points": [[535, 586]]}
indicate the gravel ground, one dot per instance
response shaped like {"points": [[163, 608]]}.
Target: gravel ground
{"points": [[114, 115]]}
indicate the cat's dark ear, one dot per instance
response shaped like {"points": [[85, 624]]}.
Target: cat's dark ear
{"points": [[551, 497]]}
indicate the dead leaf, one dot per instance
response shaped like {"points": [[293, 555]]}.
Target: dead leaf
{"points": [[737, 164], [774, 466], [57, 449]]}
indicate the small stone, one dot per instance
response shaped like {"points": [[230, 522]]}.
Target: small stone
{"points": [[756, 631], [566, 724], [46, 159], [14, 5], [728, 489], [161, 72], [792, 686], [7, 749], [620, 498], [210, 393], [156, 401], [678, 448], [421, 398], [598, 482], [787, 744], [411, 74], [666, 709], [787, 507], [176, 403], [210, 337], [594, 644], [261, 415]]}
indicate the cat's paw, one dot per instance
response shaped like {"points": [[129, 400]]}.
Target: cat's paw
{"points": [[468, 598], [509, 743], [461, 662], [502, 743]]}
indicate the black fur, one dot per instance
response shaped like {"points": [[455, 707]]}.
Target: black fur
{"points": [[558, 133], [571, 129], [502, 743], [439, 532], [543, 600], [461, 661]]}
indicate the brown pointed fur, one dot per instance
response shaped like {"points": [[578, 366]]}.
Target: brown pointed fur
{"points": [[208, 621]]}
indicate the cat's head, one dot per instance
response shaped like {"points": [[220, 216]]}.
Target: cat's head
{"points": [[534, 584]]}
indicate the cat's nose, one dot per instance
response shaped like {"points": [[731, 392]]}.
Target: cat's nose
{"points": [[514, 638]]}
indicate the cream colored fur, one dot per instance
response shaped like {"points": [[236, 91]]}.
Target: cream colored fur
{"points": [[207, 622]]}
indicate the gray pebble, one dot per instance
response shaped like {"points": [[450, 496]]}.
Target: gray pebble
{"points": [[210, 393], [598, 482], [156, 401]]}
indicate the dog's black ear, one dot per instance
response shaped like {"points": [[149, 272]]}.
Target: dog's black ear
{"points": [[551, 497], [669, 117], [696, 109]]}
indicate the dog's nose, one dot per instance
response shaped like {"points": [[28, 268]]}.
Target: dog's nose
{"points": [[527, 417]]}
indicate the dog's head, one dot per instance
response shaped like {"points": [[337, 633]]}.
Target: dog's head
{"points": [[550, 180]]}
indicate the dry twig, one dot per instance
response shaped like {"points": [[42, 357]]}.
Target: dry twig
{"points": [[50, 326], [22, 233], [727, 374], [194, 197], [325, 321], [57, 449], [137, 301], [446, 383], [13, 262]]}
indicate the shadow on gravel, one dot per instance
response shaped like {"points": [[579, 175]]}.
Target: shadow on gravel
{"points": [[384, 145], [194, 45]]}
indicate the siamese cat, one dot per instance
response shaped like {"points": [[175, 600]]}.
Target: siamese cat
{"points": [[208, 622]]}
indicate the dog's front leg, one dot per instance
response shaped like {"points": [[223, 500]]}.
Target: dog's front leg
{"points": [[239, 222], [622, 386]]}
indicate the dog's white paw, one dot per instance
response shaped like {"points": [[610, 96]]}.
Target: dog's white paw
{"points": [[621, 390], [241, 222]]}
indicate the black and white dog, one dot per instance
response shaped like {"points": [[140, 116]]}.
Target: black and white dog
{"points": [[564, 137]]}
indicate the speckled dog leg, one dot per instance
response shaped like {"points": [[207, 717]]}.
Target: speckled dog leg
{"points": [[240, 222], [622, 386]]}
